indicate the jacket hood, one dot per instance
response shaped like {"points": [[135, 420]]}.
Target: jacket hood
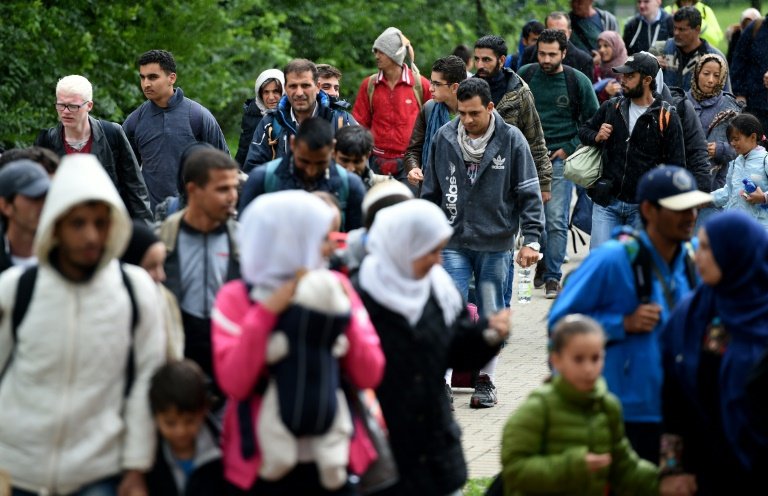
{"points": [[81, 178], [263, 78]]}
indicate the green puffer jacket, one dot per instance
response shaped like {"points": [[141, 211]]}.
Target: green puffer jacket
{"points": [[546, 440]]}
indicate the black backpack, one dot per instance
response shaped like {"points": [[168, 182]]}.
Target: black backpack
{"points": [[24, 290], [571, 84]]}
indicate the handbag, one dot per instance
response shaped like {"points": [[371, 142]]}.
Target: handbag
{"points": [[382, 472], [584, 166]]}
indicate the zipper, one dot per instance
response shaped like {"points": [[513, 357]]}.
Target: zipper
{"points": [[69, 372], [626, 149]]}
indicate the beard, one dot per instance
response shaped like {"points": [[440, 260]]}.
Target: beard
{"points": [[635, 92], [482, 73], [550, 68]]}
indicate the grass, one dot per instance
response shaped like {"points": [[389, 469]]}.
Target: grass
{"points": [[477, 487]]}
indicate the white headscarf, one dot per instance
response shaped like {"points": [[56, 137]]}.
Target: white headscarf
{"points": [[263, 78], [281, 233], [399, 235]]}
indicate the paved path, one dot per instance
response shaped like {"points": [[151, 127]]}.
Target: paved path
{"points": [[522, 367]]}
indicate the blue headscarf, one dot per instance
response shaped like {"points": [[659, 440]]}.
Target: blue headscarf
{"points": [[740, 247]]}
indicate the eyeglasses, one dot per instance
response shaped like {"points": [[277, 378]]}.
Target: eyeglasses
{"points": [[438, 84], [72, 107]]}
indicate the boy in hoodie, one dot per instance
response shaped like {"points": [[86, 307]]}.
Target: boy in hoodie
{"points": [[188, 458], [76, 365]]}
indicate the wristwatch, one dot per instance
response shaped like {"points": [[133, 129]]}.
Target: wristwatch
{"points": [[534, 245]]}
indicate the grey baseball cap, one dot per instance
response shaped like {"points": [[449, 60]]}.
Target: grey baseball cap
{"points": [[23, 177]]}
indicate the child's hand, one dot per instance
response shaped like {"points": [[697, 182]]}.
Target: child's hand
{"points": [[281, 298], [757, 197], [596, 462]]}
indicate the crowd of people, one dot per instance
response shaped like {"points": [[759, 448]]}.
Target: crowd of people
{"points": [[292, 320]]}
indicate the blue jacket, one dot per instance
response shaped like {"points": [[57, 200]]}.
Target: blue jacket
{"points": [[681, 343], [159, 136], [753, 166], [750, 60], [270, 140], [330, 182], [680, 75], [486, 215], [603, 287]]}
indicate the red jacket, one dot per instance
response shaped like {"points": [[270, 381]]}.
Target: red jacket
{"points": [[394, 112]]}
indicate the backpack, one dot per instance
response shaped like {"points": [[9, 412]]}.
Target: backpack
{"points": [[24, 290], [571, 84], [270, 184], [642, 264], [273, 129], [418, 89]]}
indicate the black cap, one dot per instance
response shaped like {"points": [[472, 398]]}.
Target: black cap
{"points": [[642, 62], [23, 177]]}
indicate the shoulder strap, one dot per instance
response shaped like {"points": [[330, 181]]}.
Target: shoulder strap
{"points": [[574, 96], [428, 108], [130, 366], [418, 89], [24, 289], [270, 179], [641, 268], [527, 74], [111, 134], [343, 194], [370, 88], [196, 120], [664, 115]]}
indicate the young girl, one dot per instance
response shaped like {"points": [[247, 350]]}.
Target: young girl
{"points": [[745, 133], [568, 436]]}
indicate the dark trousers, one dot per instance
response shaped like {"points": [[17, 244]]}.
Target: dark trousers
{"points": [[645, 438]]}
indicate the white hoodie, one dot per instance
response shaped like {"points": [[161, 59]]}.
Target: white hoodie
{"points": [[64, 421]]}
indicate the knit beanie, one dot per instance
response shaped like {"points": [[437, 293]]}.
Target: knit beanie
{"points": [[393, 44], [142, 238]]}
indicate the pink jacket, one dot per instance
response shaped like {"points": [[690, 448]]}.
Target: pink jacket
{"points": [[240, 332]]}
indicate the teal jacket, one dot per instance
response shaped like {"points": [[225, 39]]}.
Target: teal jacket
{"points": [[547, 438]]}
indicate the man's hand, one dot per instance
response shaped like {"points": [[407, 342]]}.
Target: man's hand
{"points": [[604, 133], [742, 98], [558, 154], [678, 485], [643, 319], [662, 61], [546, 196], [613, 88], [757, 197], [527, 256], [711, 149], [132, 484], [415, 176], [596, 462]]}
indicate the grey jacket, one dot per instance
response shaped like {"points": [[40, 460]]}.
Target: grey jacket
{"points": [[506, 195]]}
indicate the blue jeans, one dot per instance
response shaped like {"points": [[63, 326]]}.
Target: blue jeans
{"points": [[104, 487], [490, 269], [606, 219], [555, 236]]}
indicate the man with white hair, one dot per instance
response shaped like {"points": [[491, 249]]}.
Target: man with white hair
{"points": [[78, 132]]}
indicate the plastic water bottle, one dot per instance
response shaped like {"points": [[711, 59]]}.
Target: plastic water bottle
{"points": [[749, 188], [524, 284]]}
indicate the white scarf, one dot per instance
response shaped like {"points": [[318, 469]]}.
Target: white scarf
{"points": [[399, 235], [472, 150], [280, 234]]}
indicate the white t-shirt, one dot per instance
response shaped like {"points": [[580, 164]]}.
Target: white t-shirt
{"points": [[635, 111]]}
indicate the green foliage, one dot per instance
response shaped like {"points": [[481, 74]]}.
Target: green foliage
{"points": [[220, 47]]}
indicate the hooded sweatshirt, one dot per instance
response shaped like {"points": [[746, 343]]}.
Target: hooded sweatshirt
{"points": [[65, 421]]}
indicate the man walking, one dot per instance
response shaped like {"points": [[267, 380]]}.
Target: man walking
{"points": [[636, 132], [564, 100], [165, 125], [482, 175], [80, 337]]}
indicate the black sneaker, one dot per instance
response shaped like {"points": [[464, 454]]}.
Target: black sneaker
{"points": [[449, 393], [485, 393], [553, 289], [538, 278]]}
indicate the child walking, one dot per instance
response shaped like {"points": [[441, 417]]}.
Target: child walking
{"points": [[745, 135], [568, 436]]}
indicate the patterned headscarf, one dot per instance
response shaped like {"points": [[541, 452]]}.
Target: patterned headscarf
{"points": [[619, 53], [697, 93]]}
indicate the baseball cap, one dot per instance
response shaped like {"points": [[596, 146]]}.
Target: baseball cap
{"points": [[23, 177], [671, 187], [642, 62]]}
